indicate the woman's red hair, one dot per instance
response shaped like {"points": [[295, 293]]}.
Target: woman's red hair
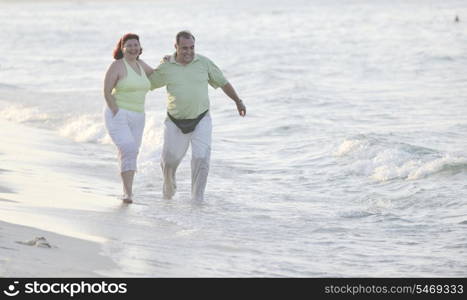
{"points": [[118, 51]]}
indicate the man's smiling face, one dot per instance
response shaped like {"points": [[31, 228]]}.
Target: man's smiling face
{"points": [[185, 50]]}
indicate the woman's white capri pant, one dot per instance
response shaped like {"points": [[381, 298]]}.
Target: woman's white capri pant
{"points": [[126, 130]]}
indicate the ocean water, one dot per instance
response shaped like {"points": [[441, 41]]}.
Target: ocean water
{"points": [[352, 160]]}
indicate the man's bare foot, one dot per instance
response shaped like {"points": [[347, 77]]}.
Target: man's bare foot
{"points": [[127, 199]]}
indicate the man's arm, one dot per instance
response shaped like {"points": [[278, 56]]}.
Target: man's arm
{"points": [[217, 79], [230, 91]]}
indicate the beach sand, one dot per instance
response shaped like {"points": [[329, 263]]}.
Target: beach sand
{"points": [[67, 257], [37, 198]]}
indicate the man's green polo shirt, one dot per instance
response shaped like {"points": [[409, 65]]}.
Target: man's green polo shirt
{"points": [[187, 85]]}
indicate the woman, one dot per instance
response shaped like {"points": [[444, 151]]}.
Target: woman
{"points": [[125, 87]]}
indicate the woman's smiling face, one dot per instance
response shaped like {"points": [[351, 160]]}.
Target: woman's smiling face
{"points": [[131, 48]]}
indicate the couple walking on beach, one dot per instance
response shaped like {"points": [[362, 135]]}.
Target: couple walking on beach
{"points": [[186, 76]]}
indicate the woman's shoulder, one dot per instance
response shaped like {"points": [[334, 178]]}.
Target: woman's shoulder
{"points": [[116, 66], [118, 63]]}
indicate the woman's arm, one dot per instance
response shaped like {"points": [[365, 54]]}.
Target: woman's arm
{"points": [[111, 78], [147, 69]]}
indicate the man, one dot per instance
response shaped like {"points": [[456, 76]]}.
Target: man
{"points": [[186, 76]]}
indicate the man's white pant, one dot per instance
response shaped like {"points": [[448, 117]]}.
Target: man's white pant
{"points": [[126, 130], [175, 146]]}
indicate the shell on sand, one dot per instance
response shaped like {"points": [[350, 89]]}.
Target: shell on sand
{"points": [[38, 242]]}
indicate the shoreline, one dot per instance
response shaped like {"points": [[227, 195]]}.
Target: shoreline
{"points": [[38, 199]]}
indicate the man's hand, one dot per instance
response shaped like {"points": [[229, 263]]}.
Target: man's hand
{"points": [[241, 108], [230, 91], [166, 58]]}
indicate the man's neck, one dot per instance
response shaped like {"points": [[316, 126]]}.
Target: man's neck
{"points": [[181, 62]]}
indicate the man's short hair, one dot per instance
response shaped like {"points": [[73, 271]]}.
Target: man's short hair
{"points": [[184, 34]]}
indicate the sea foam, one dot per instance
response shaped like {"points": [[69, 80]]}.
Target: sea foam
{"points": [[383, 161]]}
